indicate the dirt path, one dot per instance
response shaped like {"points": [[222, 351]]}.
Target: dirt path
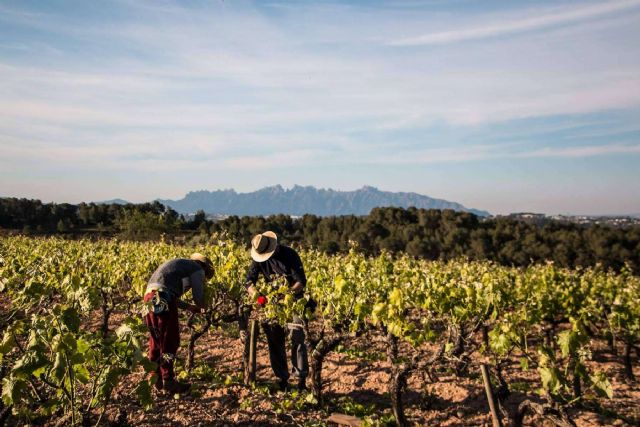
{"points": [[353, 384]]}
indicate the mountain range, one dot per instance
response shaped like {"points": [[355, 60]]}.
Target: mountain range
{"points": [[301, 200], [113, 202]]}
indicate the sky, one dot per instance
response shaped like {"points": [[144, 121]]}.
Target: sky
{"points": [[507, 106]]}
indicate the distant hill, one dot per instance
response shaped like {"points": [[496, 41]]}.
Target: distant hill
{"points": [[305, 200], [113, 202]]}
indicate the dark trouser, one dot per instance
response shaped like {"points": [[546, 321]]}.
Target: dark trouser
{"points": [[276, 338], [164, 339]]}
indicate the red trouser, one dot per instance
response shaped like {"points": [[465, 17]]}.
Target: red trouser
{"points": [[164, 339]]}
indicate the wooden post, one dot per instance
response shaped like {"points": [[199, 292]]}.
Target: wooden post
{"points": [[253, 342], [243, 325], [628, 363], [492, 403]]}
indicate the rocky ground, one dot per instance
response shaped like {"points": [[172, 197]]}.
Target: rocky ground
{"points": [[356, 383]]}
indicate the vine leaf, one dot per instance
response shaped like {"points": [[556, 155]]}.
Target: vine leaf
{"points": [[602, 385], [12, 390], [550, 379], [143, 392]]}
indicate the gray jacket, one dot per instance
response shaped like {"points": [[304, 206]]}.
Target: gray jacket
{"points": [[176, 277]]}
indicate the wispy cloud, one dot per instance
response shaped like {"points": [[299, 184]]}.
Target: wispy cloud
{"points": [[562, 17], [585, 151], [472, 153], [213, 89]]}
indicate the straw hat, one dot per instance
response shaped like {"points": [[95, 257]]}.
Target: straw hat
{"points": [[263, 246], [205, 261]]}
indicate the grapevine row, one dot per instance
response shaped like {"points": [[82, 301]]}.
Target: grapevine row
{"points": [[57, 361]]}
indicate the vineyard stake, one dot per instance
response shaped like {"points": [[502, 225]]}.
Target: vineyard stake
{"points": [[243, 325], [492, 403], [253, 341]]}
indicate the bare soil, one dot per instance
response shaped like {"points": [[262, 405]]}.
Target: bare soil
{"points": [[447, 400]]}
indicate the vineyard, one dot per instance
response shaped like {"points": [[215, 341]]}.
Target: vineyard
{"points": [[393, 340]]}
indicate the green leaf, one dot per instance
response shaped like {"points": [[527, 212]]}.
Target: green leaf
{"points": [[71, 319], [82, 373], [83, 346], [8, 343], [13, 390], [28, 364], [76, 359], [395, 298], [76, 282], [550, 379], [500, 341], [358, 309], [143, 392], [124, 330], [59, 366], [570, 341], [378, 312], [110, 381], [311, 399], [564, 339], [546, 356], [38, 372], [66, 342], [70, 341], [395, 328], [228, 380], [601, 385], [49, 407], [148, 365], [448, 347]]}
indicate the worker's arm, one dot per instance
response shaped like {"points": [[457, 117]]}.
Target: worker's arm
{"points": [[297, 273], [197, 280], [297, 287], [252, 278]]}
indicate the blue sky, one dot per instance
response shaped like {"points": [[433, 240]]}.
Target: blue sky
{"points": [[499, 105]]}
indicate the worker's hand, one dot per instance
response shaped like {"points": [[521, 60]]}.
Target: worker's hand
{"points": [[297, 287], [252, 291]]}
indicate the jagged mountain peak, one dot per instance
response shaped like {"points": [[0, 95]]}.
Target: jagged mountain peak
{"points": [[300, 200]]}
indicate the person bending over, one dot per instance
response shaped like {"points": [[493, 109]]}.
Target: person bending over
{"points": [[167, 284]]}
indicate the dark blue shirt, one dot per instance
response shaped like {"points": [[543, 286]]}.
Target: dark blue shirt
{"points": [[284, 262]]}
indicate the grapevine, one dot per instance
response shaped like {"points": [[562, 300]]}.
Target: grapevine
{"points": [[57, 362]]}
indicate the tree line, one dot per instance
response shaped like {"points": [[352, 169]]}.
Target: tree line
{"points": [[430, 234], [134, 221], [447, 234]]}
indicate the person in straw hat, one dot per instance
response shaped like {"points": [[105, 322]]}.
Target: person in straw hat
{"points": [[162, 296], [273, 260]]}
